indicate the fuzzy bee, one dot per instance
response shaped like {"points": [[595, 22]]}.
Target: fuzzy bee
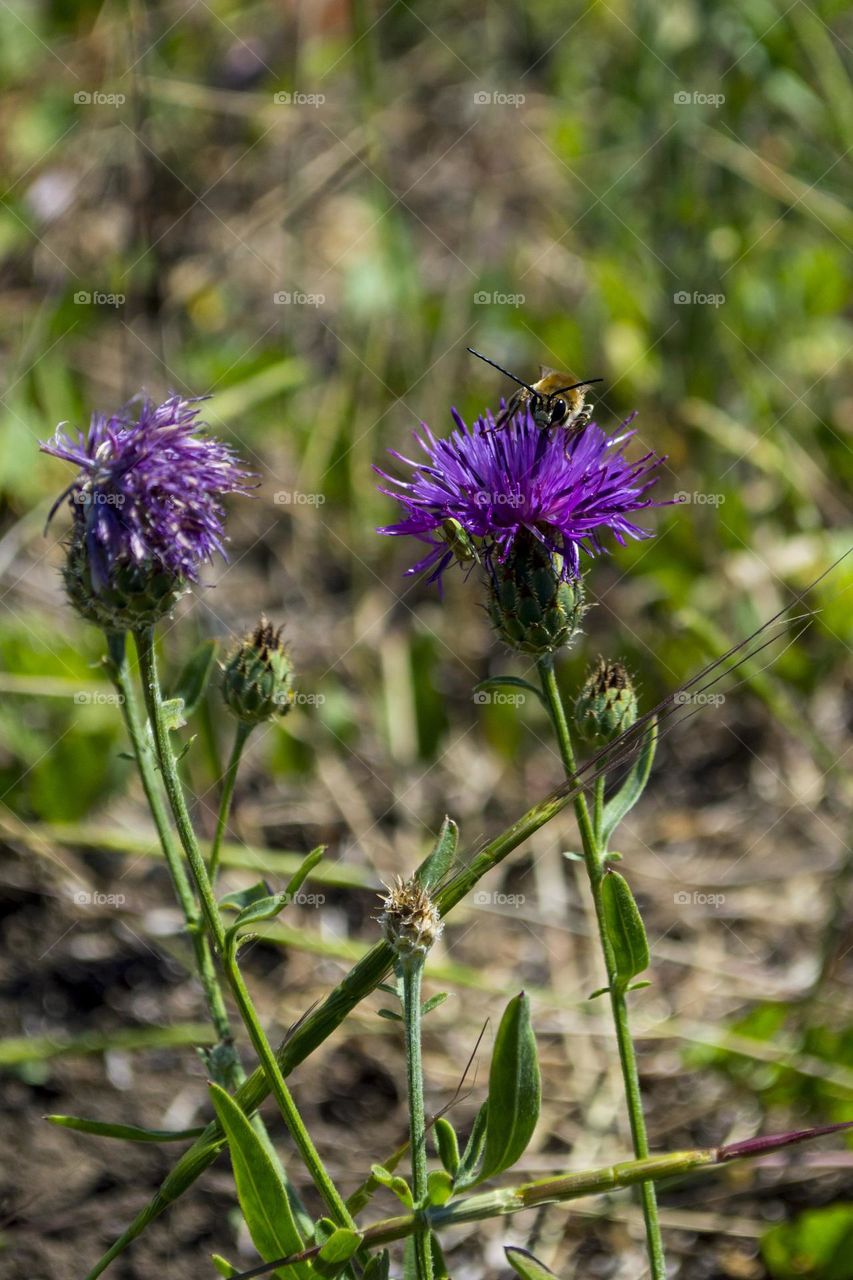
{"points": [[554, 401]]}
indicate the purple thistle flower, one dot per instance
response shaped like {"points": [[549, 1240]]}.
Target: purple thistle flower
{"points": [[565, 491], [149, 488]]}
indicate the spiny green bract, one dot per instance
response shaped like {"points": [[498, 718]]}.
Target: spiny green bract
{"points": [[607, 704], [532, 607], [258, 679], [136, 596]]}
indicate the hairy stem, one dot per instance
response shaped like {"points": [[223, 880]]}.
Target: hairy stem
{"points": [[224, 1060], [168, 767], [412, 974], [228, 781], [320, 1023], [233, 1073], [594, 860]]}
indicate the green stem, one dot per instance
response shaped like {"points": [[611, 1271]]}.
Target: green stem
{"points": [[232, 1074], [174, 791], [598, 812], [318, 1024], [594, 860], [223, 1059], [240, 738], [412, 973], [530, 1195]]}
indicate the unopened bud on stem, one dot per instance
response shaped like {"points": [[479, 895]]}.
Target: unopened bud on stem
{"points": [[607, 704], [258, 680]]}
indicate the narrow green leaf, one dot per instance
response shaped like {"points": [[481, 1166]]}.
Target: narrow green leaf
{"points": [[223, 1266], [341, 1245], [390, 1015], [514, 1090], [511, 682], [599, 991], [129, 1132], [379, 1267], [173, 713], [179, 755], [439, 1186], [299, 877], [632, 788], [467, 1171], [387, 988], [399, 1186], [192, 681], [437, 862], [524, 1264], [439, 1266], [625, 928], [263, 909], [447, 1144], [262, 1195], [411, 1270], [241, 898], [433, 1003]]}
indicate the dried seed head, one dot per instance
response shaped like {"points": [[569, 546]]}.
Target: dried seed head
{"points": [[410, 919], [258, 680], [607, 703]]}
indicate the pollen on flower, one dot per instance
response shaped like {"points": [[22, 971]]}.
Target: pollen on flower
{"points": [[410, 919]]}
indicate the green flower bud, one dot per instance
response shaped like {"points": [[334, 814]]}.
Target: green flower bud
{"points": [[531, 607], [135, 596], [258, 679], [607, 704], [410, 919]]}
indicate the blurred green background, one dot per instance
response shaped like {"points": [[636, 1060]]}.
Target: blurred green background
{"points": [[308, 211]]}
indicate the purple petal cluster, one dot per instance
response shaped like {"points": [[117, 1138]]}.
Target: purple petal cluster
{"points": [[564, 490], [149, 487]]}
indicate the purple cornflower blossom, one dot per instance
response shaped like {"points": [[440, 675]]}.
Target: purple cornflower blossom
{"points": [[564, 490], [148, 488]]}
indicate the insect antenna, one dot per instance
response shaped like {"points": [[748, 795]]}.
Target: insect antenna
{"points": [[506, 372], [586, 383]]}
